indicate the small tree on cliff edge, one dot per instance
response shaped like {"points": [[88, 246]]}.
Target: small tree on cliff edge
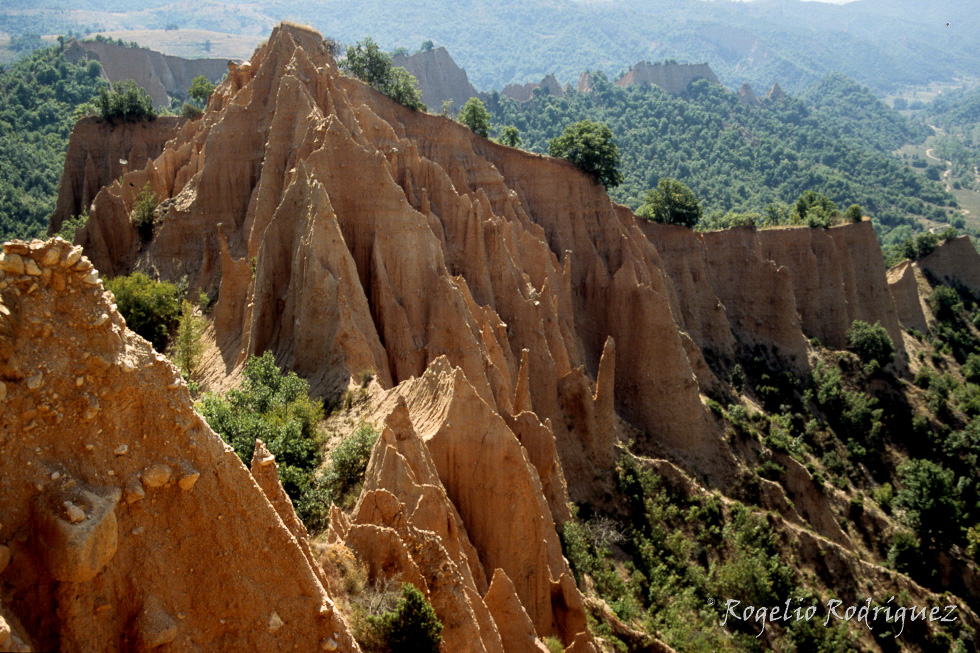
{"points": [[590, 146], [474, 115], [671, 202]]}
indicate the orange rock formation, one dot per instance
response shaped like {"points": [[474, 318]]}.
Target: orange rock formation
{"points": [[99, 153], [516, 319], [133, 524]]}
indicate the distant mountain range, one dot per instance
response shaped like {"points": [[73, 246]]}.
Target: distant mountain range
{"points": [[883, 44]]}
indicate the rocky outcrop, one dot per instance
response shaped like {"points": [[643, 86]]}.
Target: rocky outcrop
{"points": [[348, 233], [903, 283], [486, 472], [524, 92], [838, 276], [757, 295], [775, 93], [100, 153], [671, 77], [439, 77], [162, 75], [133, 525], [954, 262], [747, 96]]}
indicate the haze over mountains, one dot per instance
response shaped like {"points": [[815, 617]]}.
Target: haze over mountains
{"points": [[883, 44]]}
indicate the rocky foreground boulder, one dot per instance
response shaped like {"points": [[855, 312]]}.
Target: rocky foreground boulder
{"points": [[127, 524]]}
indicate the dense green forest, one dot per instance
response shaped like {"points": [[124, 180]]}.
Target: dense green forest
{"points": [[38, 96], [744, 158]]}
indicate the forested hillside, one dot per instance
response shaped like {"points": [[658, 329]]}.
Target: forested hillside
{"points": [[957, 114], [880, 43], [738, 157], [38, 95]]}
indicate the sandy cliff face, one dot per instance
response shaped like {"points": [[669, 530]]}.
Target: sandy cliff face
{"points": [[100, 152], [671, 77], [132, 525], [954, 262], [163, 76], [524, 92]]}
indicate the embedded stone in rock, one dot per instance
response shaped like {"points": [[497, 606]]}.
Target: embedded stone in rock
{"points": [[156, 626], [156, 475], [75, 550], [11, 263], [188, 479]]}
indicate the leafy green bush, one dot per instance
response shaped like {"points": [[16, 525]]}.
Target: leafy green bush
{"points": [[348, 462], [945, 303], [411, 626], [143, 212], [275, 407], [71, 225], [870, 342], [590, 146], [930, 498], [126, 102], [815, 210], [149, 307]]}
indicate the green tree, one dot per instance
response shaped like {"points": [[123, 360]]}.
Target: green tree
{"points": [[366, 61], [590, 146], [188, 343], [815, 209], [928, 495], [671, 202], [411, 626], [853, 213], [510, 136], [200, 89], [870, 342], [143, 212], [126, 102], [474, 115], [348, 461], [275, 407], [427, 46], [149, 307]]}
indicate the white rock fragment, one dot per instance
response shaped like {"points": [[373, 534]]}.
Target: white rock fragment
{"points": [[75, 514], [35, 381], [91, 278], [122, 449], [275, 622]]}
